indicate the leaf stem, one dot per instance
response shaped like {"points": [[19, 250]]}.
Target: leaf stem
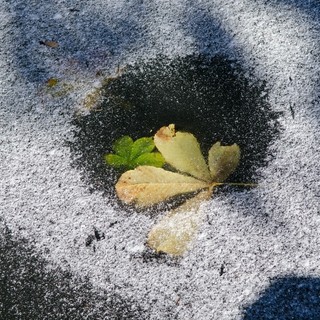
{"points": [[241, 184]]}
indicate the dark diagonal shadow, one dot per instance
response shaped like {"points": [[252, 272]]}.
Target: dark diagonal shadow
{"points": [[29, 291], [287, 298], [207, 32], [81, 35]]}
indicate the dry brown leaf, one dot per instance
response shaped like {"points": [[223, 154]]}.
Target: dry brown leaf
{"points": [[50, 43], [146, 186], [51, 82]]}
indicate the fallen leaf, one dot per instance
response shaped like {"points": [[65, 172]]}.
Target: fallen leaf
{"points": [[223, 161], [52, 82], [174, 233], [49, 43], [123, 146], [131, 154], [182, 151], [92, 99], [154, 159], [146, 186], [115, 160], [141, 146]]}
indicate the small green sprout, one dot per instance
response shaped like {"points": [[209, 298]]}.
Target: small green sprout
{"points": [[129, 154]]}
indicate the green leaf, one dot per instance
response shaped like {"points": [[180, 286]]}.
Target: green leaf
{"points": [[131, 154], [115, 160], [154, 159], [141, 146], [123, 146]]}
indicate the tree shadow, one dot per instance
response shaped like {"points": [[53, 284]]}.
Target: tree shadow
{"points": [[87, 37], [287, 298], [310, 7], [208, 96], [208, 35], [29, 291]]}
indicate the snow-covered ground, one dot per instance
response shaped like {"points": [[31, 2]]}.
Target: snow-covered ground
{"points": [[257, 253]]}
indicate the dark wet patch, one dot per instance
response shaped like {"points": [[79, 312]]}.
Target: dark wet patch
{"points": [[31, 290], [212, 98], [294, 298]]}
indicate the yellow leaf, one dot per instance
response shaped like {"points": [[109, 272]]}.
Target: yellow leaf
{"points": [[50, 43], [223, 160], [51, 82], [146, 185], [174, 233], [182, 151]]}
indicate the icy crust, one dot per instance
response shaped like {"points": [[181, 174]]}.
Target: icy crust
{"points": [[249, 237]]}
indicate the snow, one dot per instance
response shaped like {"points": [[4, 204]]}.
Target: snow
{"points": [[257, 235]]}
